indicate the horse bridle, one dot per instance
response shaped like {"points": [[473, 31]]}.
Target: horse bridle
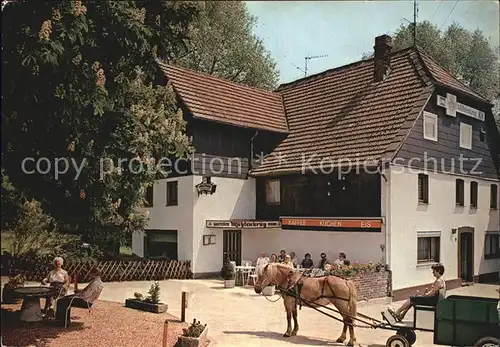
{"points": [[267, 281]]}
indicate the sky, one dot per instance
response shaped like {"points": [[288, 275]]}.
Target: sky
{"points": [[344, 30]]}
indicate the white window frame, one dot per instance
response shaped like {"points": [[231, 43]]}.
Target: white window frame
{"points": [[434, 119], [429, 234], [464, 127], [273, 192]]}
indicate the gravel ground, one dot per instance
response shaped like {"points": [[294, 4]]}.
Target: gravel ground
{"points": [[113, 325]]}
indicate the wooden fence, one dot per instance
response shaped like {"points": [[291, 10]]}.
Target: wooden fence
{"points": [[111, 271]]}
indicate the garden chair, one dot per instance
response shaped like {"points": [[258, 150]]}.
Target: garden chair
{"points": [[89, 304]]}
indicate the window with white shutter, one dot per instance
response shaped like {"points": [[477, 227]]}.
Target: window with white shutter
{"points": [[465, 136], [430, 126], [273, 192]]}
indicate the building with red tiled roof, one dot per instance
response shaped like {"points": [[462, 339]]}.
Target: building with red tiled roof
{"points": [[389, 159]]}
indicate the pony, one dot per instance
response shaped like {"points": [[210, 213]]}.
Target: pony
{"points": [[313, 291]]}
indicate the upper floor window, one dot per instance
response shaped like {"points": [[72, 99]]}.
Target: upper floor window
{"points": [[423, 188], [482, 136], [149, 196], [459, 192], [273, 192], [430, 126], [465, 136], [473, 194], [172, 193], [494, 196]]}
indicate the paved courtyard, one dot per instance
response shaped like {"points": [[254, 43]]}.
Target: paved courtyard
{"points": [[239, 317]]}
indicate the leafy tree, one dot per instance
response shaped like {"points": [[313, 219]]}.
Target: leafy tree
{"points": [[467, 55], [73, 90], [222, 43], [81, 87], [32, 230], [10, 202]]}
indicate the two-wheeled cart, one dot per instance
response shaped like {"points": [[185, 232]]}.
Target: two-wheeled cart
{"points": [[458, 321]]}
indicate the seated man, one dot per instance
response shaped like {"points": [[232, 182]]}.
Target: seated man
{"points": [[81, 297], [430, 297], [323, 261]]}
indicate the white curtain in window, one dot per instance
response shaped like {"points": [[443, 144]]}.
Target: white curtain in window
{"points": [[273, 191]]}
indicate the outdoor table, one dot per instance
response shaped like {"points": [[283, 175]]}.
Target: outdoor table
{"points": [[30, 309], [244, 270]]}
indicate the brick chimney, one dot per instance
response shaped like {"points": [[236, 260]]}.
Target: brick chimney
{"points": [[382, 61]]}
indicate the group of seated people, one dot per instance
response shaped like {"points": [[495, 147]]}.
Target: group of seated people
{"points": [[306, 263], [59, 279]]}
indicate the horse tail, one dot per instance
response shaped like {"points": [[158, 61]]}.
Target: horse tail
{"points": [[353, 298]]}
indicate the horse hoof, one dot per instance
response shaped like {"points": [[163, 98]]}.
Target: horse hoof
{"points": [[350, 344], [286, 335], [294, 333], [340, 340]]}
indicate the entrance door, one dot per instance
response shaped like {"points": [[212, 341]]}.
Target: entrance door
{"points": [[466, 254], [232, 245]]}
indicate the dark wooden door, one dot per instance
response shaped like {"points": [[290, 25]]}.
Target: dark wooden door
{"points": [[232, 245], [465, 255]]}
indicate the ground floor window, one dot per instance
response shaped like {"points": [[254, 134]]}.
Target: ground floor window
{"points": [[491, 246], [161, 244], [428, 247]]}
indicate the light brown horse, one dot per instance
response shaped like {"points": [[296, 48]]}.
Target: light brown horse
{"points": [[316, 290]]}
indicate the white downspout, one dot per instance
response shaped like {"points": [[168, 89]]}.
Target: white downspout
{"points": [[388, 218]]}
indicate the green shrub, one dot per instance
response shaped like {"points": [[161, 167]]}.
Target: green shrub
{"points": [[227, 271], [194, 330]]}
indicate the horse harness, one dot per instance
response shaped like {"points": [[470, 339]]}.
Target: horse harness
{"points": [[296, 289]]}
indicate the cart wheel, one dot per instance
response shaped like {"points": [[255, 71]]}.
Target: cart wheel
{"points": [[397, 341], [409, 334], [487, 341]]}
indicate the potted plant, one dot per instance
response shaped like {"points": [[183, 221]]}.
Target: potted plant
{"points": [[227, 272], [8, 295], [193, 336], [151, 303]]}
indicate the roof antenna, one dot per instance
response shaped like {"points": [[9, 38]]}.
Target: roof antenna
{"points": [[298, 68], [414, 23], [415, 14], [312, 57]]}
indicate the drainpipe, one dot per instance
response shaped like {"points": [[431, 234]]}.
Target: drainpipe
{"points": [[387, 218]]}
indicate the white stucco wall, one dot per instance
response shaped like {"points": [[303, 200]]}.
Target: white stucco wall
{"points": [[165, 217], [358, 246], [233, 199], [407, 217]]}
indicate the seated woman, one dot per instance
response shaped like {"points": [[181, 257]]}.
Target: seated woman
{"points": [[274, 258], [58, 279], [307, 262], [430, 297]]}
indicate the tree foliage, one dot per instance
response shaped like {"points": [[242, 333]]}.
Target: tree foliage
{"points": [[81, 88], [33, 230], [222, 43], [467, 55], [78, 85]]}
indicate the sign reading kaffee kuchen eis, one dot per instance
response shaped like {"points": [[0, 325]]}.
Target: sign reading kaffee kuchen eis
{"points": [[242, 224], [332, 224]]}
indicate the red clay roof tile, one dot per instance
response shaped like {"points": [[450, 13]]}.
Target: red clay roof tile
{"points": [[216, 99], [343, 116], [442, 76], [333, 118]]}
